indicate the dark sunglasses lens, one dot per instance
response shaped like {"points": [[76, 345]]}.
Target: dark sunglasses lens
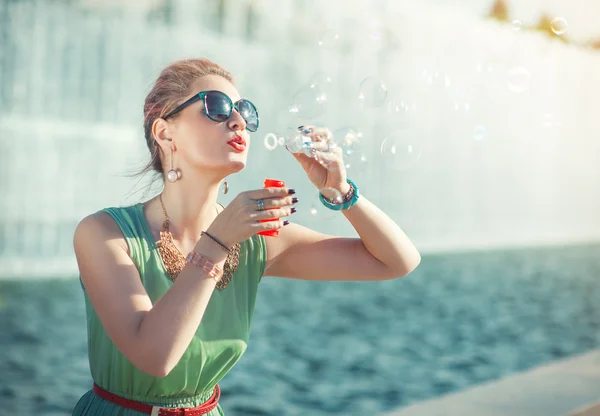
{"points": [[249, 114], [218, 106]]}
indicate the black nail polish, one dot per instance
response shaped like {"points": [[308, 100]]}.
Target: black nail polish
{"points": [[291, 191], [286, 222], [293, 210], [300, 127], [294, 200]]}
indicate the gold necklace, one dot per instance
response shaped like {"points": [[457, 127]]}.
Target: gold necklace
{"points": [[175, 261]]}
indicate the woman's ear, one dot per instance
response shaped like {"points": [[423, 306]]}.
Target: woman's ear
{"points": [[160, 131]]}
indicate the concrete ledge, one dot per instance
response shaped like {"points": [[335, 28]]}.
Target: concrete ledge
{"points": [[556, 389]]}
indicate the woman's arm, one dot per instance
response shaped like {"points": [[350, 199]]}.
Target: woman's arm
{"points": [[152, 337], [383, 251]]}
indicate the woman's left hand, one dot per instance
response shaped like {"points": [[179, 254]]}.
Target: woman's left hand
{"points": [[325, 167]]}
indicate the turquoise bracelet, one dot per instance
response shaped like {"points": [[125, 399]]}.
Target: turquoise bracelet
{"points": [[345, 205]]}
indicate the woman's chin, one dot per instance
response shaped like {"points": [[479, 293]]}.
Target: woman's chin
{"points": [[237, 165]]}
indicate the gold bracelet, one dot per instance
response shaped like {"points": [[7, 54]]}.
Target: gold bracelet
{"points": [[198, 260]]}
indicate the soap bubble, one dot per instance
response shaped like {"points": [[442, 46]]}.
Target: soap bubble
{"points": [[462, 106], [375, 29], [549, 120], [479, 132], [320, 80], [559, 25], [518, 79], [309, 102], [319, 211], [372, 92], [271, 141], [347, 137], [481, 67], [401, 111], [350, 140], [333, 194], [299, 143], [517, 25], [329, 39], [401, 150], [436, 79], [401, 106]]}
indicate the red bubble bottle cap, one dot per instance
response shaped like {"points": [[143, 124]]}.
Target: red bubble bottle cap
{"points": [[274, 183], [271, 183]]}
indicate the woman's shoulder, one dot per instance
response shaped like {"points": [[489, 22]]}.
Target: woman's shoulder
{"points": [[97, 228], [108, 223]]}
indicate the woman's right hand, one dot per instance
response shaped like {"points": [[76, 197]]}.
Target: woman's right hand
{"points": [[241, 218]]}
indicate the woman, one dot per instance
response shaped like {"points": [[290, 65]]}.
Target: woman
{"points": [[160, 337]]}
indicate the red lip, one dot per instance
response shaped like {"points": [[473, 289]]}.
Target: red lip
{"points": [[238, 143]]}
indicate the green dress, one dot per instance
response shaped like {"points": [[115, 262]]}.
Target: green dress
{"points": [[220, 341]]}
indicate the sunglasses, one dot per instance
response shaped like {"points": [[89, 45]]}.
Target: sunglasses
{"points": [[218, 107]]}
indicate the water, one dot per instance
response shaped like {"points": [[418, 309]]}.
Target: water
{"points": [[340, 348], [497, 126]]}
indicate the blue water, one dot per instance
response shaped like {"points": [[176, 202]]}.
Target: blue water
{"points": [[340, 348]]}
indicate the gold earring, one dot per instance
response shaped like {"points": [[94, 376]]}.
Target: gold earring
{"points": [[172, 174]]}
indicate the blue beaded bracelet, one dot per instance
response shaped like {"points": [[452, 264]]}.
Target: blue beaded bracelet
{"points": [[345, 205]]}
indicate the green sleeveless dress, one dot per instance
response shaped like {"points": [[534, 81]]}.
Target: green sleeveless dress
{"points": [[219, 343]]}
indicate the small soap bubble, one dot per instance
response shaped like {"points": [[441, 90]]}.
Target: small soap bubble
{"points": [[309, 102], [401, 150], [299, 143], [436, 79], [518, 79], [271, 141], [559, 25], [517, 25], [328, 39], [396, 107], [481, 68], [332, 194], [320, 80], [479, 132], [549, 120], [375, 29], [459, 107], [350, 140], [400, 111], [318, 210], [372, 92]]}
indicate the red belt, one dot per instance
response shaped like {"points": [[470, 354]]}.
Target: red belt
{"points": [[203, 409]]}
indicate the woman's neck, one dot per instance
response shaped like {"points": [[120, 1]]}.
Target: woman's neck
{"points": [[191, 207]]}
